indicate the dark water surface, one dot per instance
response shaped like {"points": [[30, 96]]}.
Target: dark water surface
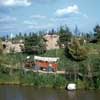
{"points": [[29, 93]]}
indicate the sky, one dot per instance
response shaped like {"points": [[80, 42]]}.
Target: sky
{"points": [[34, 15]]}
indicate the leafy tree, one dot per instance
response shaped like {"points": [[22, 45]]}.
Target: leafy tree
{"points": [[42, 45], [76, 50]]}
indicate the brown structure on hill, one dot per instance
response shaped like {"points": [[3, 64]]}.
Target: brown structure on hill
{"points": [[12, 47], [51, 41]]}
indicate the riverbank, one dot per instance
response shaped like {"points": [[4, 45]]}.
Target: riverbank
{"points": [[19, 77], [40, 80]]}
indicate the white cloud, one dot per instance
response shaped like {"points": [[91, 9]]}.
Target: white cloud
{"points": [[15, 2], [38, 17], [74, 9], [29, 22], [49, 25], [7, 19]]}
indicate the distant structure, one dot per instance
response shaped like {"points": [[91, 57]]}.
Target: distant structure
{"points": [[51, 41], [12, 47]]}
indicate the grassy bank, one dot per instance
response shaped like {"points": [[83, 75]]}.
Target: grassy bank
{"points": [[29, 78], [19, 77]]}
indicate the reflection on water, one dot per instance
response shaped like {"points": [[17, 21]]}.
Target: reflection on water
{"points": [[71, 95], [29, 93]]}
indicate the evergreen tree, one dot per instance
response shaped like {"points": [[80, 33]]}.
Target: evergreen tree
{"points": [[97, 32], [76, 31], [34, 44], [1, 47], [64, 35]]}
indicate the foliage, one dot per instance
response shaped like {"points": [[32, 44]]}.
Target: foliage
{"points": [[42, 80], [64, 35], [97, 32], [76, 50], [1, 47], [34, 44]]}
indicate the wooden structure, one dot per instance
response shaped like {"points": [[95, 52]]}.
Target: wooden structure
{"points": [[48, 63]]}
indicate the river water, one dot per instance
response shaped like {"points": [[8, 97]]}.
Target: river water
{"points": [[30, 93]]}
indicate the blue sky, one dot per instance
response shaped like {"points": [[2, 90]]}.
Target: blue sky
{"points": [[34, 15]]}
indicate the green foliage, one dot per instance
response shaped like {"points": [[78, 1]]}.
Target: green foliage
{"points": [[77, 50], [43, 80], [97, 32], [64, 35], [59, 81], [3, 69], [1, 47], [34, 44]]}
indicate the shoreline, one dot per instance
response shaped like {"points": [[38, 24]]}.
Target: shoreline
{"points": [[27, 85], [47, 86], [40, 80], [33, 79]]}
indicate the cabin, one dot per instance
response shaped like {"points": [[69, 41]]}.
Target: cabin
{"points": [[46, 63]]}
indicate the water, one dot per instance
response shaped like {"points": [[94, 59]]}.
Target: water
{"points": [[29, 93]]}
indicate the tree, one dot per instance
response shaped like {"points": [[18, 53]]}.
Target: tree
{"points": [[76, 50], [7, 37], [97, 32], [3, 38], [42, 45], [2, 59], [76, 31], [1, 47], [64, 35], [25, 35], [30, 34], [20, 35], [34, 44]]}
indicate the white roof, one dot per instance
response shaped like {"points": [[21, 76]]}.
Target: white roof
{"points": [[50, 59]]}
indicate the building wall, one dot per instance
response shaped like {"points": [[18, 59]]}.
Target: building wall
{"points": [[10, 46], [51, 42]]}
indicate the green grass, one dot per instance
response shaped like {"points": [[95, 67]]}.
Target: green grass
{"points": [[33, 79]]}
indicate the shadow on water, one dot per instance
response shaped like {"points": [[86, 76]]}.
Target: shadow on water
{"points": [[30, 93]]}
